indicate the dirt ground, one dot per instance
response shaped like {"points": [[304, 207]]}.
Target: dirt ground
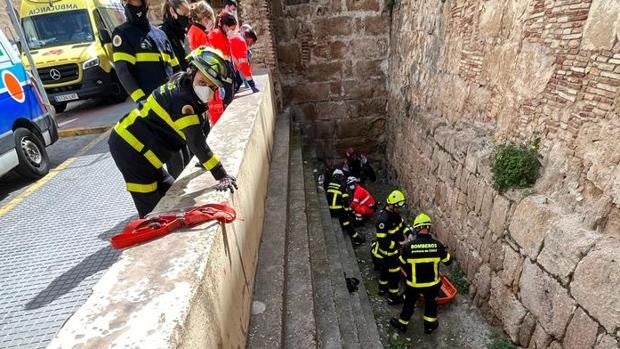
{"points": [[461, 324]]}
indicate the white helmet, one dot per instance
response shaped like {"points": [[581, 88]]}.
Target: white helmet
{"points": [[338, 172], [351, 180]]}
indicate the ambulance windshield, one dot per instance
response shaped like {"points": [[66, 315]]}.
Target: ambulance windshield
{"points": [[58, 28]]}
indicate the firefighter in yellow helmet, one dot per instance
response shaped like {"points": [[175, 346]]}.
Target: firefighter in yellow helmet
{"points": [[391, 234], [419, 261]]}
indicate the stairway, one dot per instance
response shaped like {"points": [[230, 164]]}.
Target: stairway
{"points": [[300, 295]]}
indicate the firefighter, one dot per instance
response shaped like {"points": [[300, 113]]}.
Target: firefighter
{"points": [[363, 204], [144, 59], [419, 261], [338, 200], [143, 56], [392, 232], [172, 116]]}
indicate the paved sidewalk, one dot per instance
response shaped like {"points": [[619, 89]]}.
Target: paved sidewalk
{"points": [[54, 247]]}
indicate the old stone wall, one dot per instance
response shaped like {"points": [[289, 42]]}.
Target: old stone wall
{"points": [[466, 75], [332, 58]]}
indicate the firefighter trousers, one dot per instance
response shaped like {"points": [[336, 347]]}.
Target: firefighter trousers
{"points": [[389, 275], [146, 184], [430, 305]]}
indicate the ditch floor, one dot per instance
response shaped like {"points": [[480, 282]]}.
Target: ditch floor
{"points": [[461, 323]]}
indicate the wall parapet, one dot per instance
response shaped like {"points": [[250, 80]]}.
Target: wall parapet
{"points": [[191, 289]]}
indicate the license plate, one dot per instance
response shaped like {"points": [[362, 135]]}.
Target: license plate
{"points": [[67, 97]]}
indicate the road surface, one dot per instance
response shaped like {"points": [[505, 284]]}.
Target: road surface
{"points": [[54, 232]]}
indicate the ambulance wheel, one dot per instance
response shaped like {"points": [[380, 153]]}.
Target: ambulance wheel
{"points": [[60, 107], [33, 159], [117, 91]]}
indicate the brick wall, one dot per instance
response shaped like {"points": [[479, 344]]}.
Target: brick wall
{"points": [[468, 74], [332, 59]]}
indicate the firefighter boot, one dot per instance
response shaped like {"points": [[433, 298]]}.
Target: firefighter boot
{"points": [[398, 324], [394, 299], [357, 239], [429, 327]]}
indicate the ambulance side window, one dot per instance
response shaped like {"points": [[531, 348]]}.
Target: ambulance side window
{"points": [[98, 21]]}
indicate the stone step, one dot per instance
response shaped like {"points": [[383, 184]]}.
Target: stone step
{"points": [[363, 322], [342, 297], [266, 322], [299, 317], [366, 322], [328, 328]]}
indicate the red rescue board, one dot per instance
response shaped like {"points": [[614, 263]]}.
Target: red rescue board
{"points": [[146, 229]]}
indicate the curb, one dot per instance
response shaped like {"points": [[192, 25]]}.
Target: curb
{"points": [[70, 132]]}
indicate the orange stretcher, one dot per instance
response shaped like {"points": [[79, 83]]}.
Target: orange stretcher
{"points": [[447, 293], [146, 229]]}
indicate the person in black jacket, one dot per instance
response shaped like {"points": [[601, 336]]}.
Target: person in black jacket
{"points": [[142, 54], [175, 24], [171, 117], [419, 261]]}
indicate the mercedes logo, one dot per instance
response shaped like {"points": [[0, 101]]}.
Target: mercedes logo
{"points": [[55, 74]]}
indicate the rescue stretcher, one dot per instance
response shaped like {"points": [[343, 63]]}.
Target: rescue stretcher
{"points": [[146, 229]]}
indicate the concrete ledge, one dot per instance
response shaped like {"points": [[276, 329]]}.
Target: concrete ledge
{"points": [[191, 289]]}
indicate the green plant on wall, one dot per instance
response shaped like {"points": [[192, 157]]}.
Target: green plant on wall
{"points": [[516, 166]]}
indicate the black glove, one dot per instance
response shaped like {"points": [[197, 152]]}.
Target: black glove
{"points": [[227, 183], [253, 85]]}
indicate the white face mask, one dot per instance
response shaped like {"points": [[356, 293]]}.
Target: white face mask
{"points": [[205, 93]]}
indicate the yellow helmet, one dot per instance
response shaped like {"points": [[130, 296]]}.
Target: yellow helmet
{"points": [[422, 220], [397, 198]]}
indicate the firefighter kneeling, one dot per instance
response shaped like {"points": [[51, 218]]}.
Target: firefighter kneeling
{"points": [[338, 200], [420, 261], [363, 204]]}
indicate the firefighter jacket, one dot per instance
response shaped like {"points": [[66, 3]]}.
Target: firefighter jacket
{"points": [[391, 231], [171, 117], [420, 260], [144, 58], [218, 40], [239, 54], [197, 36], [337, 197], [363, 203]]}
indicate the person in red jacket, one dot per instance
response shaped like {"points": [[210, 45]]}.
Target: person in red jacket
{"points": [[203, 21], [239, 45], [218, 38], [363, 204]]}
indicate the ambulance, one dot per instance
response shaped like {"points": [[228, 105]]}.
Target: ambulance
{"points": [[70, 42], [26, 124]]}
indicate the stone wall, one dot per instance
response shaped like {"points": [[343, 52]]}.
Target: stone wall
{"points": [[466, 75], [332, 64]]}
